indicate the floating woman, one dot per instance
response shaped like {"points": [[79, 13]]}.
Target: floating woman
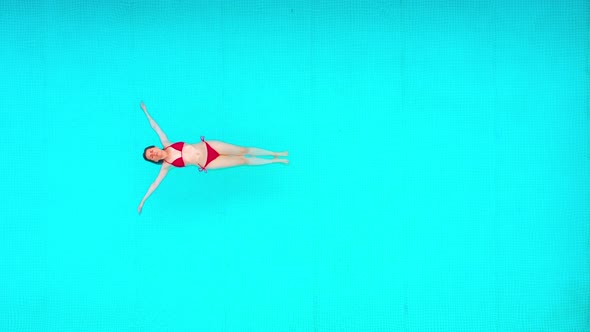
{"points": [[205, 154]]}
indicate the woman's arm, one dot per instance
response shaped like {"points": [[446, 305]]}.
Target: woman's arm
{"points": [[163, 138], [153, 186]]}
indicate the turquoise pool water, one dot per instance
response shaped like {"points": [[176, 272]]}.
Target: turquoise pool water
{"points": [[438, 176]]}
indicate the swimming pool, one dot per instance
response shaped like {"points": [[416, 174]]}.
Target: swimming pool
{"points": [[438, 176]]}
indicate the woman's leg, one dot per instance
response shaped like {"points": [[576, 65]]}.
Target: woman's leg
{"points": [[235, 150], [261, 152], [253, 161], [231, 161]]}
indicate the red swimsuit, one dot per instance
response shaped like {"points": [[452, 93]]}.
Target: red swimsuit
{"points": [[179, 162], [211, 155]]}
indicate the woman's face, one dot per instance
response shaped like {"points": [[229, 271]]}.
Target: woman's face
{"points": [[154, 154]]}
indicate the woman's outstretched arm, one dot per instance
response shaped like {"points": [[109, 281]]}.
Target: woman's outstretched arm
{"points": [[155, 127], [153, 186]]}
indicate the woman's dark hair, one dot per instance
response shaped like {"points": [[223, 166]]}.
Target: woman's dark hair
{"points": [[145, 157]]}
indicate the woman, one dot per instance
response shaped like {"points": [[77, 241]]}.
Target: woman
{"points": [[206, 155]]}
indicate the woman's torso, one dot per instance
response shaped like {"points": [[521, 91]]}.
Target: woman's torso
{"points": [[191, 154]]}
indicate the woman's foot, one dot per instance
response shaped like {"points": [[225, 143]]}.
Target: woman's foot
{"points": [[281, 154]]}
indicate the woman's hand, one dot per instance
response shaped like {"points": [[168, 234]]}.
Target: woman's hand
{"points": [[142, 105], [139, 208]]}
